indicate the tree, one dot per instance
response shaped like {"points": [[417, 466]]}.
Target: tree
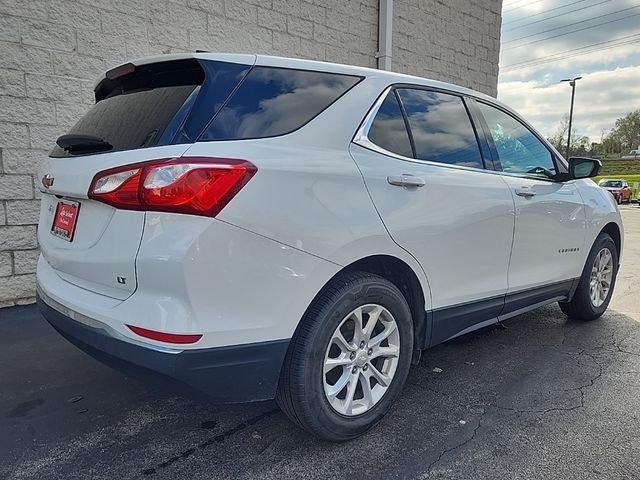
{"points": [[611, 144], [627, 130], [624, 136], [580, 144]]}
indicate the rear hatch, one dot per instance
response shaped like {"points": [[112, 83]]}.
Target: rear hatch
{"points": [[143, 111]]}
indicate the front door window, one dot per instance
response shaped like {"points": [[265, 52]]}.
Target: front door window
{"points": [[519, 150]]}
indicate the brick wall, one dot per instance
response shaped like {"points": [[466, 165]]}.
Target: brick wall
{"points": [[51, 52]]}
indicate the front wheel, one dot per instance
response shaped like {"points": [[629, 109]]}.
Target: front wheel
{"points": [[349, 358], [598, 278]]}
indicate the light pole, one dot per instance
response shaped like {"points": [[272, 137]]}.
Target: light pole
{"points": [[572, 82]]}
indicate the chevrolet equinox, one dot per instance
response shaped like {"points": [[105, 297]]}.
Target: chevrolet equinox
{"points": [[254, 227]]}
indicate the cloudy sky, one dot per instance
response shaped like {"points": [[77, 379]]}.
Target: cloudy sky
{"points": [[596, 39]]}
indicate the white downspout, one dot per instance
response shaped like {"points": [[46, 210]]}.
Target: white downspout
{"points": [[385, 32]]}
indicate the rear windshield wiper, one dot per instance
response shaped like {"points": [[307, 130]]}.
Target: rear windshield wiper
{"points": [[78, 144]]}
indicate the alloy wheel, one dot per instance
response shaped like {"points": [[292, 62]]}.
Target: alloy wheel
{"points": [[361, 360], [601, 277]]}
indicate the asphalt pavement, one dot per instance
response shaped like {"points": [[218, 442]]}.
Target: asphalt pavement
{"points": [[539, 397]]}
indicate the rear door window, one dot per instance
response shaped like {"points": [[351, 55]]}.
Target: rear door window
{"points": [[388, 129], [275, 101], [154, 105], [441, 129]]}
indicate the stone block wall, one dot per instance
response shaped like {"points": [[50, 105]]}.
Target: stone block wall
{"points": [[52, 51]]}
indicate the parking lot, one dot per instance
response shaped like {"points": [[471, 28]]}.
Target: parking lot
{"points": [[538, 397]]}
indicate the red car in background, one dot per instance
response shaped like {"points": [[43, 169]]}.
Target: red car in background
{"points": [[618, 188]]}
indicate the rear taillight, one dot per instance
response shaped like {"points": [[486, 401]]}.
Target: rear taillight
{"points": [[193, 185]]}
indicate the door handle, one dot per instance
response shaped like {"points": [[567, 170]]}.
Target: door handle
{"points": [[406, 181], [525, 192]]}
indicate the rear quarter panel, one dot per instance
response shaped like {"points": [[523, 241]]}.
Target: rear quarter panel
{"points": [[202, 275]]}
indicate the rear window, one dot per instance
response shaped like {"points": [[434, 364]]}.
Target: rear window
{"points": [[186, 100], [132, 120], [275, 101], [155, 105]]}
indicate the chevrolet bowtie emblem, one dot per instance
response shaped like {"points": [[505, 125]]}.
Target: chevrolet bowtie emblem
{"points": [[47, 181]]}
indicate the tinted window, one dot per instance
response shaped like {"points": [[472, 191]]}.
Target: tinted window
{"points": [[221, 78], [274, 101], [156, 104], [132, 120], [388, 129], [519, 150], [441, 129]]}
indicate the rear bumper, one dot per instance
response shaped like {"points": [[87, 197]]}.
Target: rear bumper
{"points": [[233, 374]]}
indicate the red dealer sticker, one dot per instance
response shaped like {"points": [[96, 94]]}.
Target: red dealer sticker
{"points": [[64, 221]]}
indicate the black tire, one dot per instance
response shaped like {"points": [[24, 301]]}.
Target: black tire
{"points": [[301, 393], [581, 307]]}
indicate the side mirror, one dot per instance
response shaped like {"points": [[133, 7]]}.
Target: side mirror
{"points": [[580, 167]]}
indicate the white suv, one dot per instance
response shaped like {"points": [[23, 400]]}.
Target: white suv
{"points": [[255, 227]]}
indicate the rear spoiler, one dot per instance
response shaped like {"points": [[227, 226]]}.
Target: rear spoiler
{"points": [[130, 67]]}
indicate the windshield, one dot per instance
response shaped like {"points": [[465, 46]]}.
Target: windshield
{"points": [[611, 184]]}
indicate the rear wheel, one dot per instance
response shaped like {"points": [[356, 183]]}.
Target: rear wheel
{"points": [[349, 358], [597, 281]]}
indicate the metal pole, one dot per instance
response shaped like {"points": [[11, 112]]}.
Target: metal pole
{"points": [[572, 82], [385, 29], [573, 94]]}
